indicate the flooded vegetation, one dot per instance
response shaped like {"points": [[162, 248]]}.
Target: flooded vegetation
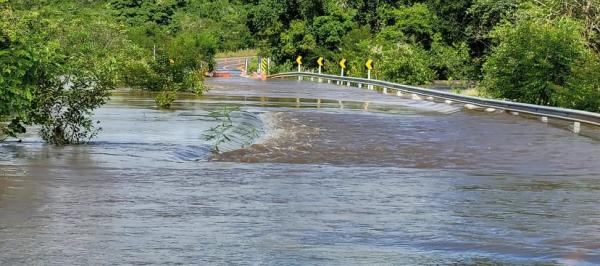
{"points": [[128, 135], [336, 176]]}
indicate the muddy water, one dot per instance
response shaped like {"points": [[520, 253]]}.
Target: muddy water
{"points": [[339, 177]]}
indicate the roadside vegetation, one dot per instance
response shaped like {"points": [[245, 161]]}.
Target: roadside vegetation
{"points": [[238, 53], [59, 60], [544, 51]]}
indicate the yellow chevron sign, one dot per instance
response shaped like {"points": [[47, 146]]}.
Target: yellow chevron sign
{"points": [[320, 61], [369, 64], [343, 63], [299, 60], [264, 65]]}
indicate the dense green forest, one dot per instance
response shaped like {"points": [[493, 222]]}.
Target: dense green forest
{"points": [[59, 59]]}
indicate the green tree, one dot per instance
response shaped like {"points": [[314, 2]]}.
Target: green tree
{"points": [[582, 89], [416, 23], [23, 55], [61, 74], [137, 12], [585, 11], [484, 16], [451, 62], [406, 64], [534, 60], [329, 30], [298, 40]]}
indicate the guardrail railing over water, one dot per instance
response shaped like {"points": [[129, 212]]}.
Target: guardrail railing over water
{"points": [[545, 112]]}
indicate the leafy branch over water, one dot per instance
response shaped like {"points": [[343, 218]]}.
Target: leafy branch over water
{"points": [[227, 131]]}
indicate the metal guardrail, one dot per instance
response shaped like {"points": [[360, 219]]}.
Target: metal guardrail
{"points": [[538, 110]]}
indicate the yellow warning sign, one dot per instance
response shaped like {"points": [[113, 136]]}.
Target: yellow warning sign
{"points": [[343, 63]]}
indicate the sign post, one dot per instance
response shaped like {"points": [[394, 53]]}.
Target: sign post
{"points": [[369, 66], [246, 66], [343, 66], [258, 68], [299, 62], [320, 62]]}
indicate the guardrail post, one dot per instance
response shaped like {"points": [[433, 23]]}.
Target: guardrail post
{"points": [[320, 79], [576, 127], [369, 78], [258, 66]]}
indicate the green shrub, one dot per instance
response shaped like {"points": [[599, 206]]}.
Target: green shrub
{"points": [[22, 52], [252, 65], [194, 82], [137, 74], [534, 60], [64, 108], [288, 66], [180, 68], [53, 76], [407, 64], [228, 131], [582, 90], [165, 99], [193, 50], [451, 62]]}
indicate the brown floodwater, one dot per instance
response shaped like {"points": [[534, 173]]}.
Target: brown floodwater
{"points": [[337, 176]]}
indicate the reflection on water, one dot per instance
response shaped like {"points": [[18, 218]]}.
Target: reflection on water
{"points": [[386, 184]]}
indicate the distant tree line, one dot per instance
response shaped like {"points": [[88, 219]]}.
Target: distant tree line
{"points": [[543, 51], [60, 58]]}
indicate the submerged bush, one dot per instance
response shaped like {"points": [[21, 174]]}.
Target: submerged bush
{"points": [[137, 74], [227, 131], [179, 65], [168, 73], [55, 73], [194, 82], [65, 110], [165, 99]]}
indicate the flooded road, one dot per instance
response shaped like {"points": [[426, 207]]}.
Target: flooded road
{"points": [[338, 176]]}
